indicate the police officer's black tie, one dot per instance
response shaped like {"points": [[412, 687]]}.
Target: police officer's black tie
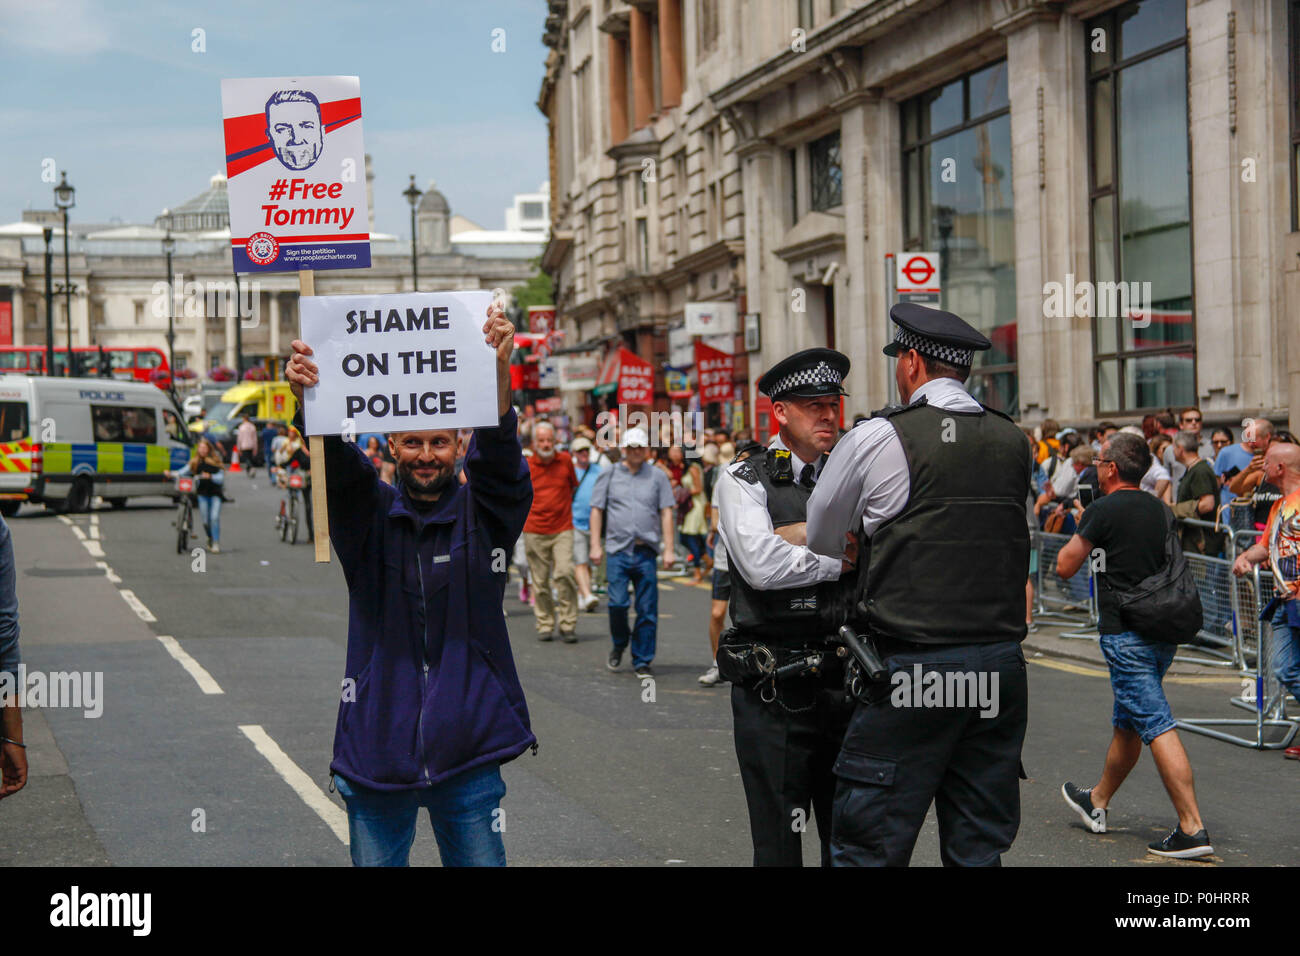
{"points": [[806, 477]]}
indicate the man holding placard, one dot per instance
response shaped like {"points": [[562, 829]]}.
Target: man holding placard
{"points": [[431, 704]]}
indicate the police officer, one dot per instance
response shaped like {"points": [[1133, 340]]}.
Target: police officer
{"points": [[787, 693], [936, 488]]}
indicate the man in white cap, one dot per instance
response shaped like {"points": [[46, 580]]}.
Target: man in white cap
{"points": [[632, 519]]}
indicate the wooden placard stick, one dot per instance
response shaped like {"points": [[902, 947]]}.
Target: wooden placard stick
{"points": [[316, 449]]}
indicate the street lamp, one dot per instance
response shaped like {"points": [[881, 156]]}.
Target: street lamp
{"points": [[412, 195], [65, 199], [169, 247], [49, 301]]}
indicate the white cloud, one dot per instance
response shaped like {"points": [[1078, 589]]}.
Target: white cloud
{"points": [[56, 27]]}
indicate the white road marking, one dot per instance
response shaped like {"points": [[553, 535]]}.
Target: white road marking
{"points": [[93, 532], [295, 777], [81, 535], [94, 547], [137, 605], [108, 572], [193, 667], [65, 519]]}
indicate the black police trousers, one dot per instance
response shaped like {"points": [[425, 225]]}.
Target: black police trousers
{"points": [[910, 745], [786, 762]]}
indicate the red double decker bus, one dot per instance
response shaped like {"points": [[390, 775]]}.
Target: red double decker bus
{"points": [[126, 364]]}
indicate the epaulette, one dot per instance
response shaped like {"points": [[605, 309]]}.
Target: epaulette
{"points": [[746, 449], [998, 413], [745, 471], [889, 411]]}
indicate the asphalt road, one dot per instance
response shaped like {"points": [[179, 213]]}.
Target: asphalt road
{"points": [[220, 690]]}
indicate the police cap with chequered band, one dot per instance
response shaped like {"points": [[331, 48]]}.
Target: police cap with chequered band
{"points": [[935, 333], [807, 374]]}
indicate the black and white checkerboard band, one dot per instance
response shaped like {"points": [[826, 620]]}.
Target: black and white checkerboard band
{"points": [[819, 374], [944, 353]]}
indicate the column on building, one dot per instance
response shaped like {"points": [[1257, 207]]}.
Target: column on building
{"points": [[81, 313], [274, 298], [229, 355], [642, 70], [859, 278], [670, 52], [1049, 168], [618, 128], [19, 315], [1240, 202], [765, 292]]}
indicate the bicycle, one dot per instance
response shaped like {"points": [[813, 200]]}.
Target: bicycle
{"points": [[184, 514], [286, 521]]}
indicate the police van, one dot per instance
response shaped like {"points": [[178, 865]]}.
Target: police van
{"points": [[65, 440]]}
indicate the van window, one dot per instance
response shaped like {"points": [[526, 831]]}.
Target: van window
{"points": [[174, 427], [249, 409], [115, 423], [13, 421]]}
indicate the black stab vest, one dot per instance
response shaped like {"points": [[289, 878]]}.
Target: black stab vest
{"points": [[791, 616], [951, 567]]}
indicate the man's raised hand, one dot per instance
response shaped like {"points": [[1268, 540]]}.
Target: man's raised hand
{"points": [[300, 370]]}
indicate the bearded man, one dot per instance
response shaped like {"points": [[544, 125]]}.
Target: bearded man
{"points": [[431, 702]]}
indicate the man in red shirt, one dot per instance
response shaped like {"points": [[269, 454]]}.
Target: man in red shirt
{"points": [[548, 536]]}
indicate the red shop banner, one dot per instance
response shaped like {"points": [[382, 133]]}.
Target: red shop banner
{"points": [[636, 379], [715, 373]]}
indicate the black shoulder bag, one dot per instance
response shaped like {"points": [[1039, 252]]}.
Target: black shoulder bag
{"points": [[1164, 606]]}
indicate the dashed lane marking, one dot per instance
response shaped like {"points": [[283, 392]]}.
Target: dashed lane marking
{"points": [[142, 612], [295, 777], [196, 670]]}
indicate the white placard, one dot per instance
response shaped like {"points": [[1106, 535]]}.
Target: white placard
{"points": [[410, 361], [579, 372], [710, 318], [295, 173]]}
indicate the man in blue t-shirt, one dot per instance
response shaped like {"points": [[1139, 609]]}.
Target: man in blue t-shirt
{"points": [[587, 471], [1230, 459]]}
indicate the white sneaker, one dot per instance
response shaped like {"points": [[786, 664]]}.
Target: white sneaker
{"points": [[216, 548], [710, 677], [591, 603]]}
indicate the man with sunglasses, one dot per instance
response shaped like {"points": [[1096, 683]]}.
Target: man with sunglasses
{"points": [[1123, 536]]}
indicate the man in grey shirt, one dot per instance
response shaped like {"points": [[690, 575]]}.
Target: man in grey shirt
{"points": [[639, 500]]}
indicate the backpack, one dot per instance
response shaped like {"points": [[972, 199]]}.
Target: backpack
{"points": [[1164, 606]]}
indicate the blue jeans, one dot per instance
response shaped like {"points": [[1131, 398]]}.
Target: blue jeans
{"points": [[463, 811], [694, 545], [1137, 666], [635, 566], [210, 512], [1285, 659]]}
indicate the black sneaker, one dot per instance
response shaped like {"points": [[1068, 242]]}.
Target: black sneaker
{"points": [[1094, 818], [569, 637], [644, 671], [615, 658], [1181, 846]]}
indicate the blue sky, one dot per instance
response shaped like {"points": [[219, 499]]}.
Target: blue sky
{"points": [[111, 90]]}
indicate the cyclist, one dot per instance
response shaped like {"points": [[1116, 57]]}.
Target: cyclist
{"points": [[208, 466], [296, 457]]}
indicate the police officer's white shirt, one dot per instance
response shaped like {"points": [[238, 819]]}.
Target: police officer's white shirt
{"points": [[767, 561], [866, 481]]}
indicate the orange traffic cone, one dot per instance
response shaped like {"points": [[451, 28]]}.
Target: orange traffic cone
{"points": [[234, 462]]}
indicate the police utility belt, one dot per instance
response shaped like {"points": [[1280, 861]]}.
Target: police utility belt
{"points": [[784, 634]]}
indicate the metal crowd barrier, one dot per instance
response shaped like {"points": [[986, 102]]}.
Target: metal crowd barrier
{"points": [[1072, 601], [1231, 635]]}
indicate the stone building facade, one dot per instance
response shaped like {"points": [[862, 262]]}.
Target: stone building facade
{"points": [[1055, 155]]}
